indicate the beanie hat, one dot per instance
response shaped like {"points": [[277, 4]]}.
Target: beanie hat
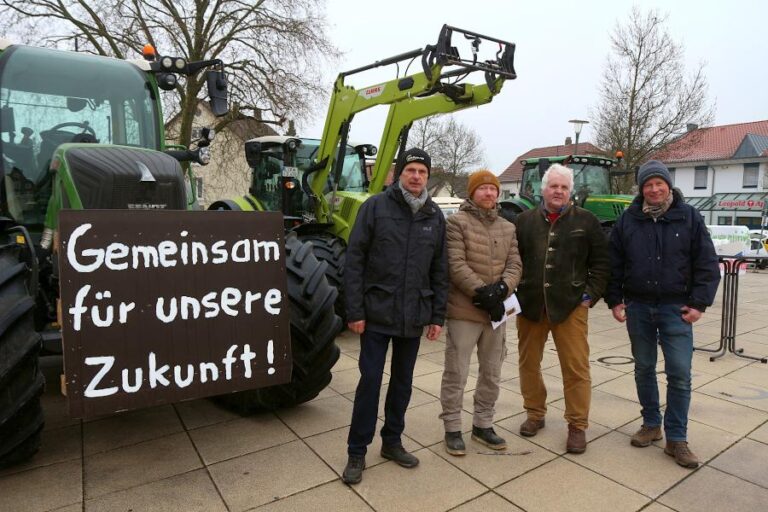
{"points": [[482, 177], [653, 169], [414, 155]]}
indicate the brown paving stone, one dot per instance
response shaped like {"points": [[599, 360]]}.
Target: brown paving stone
{"points": [[747, 460], [58, 445], [607, 409], [489, 501], [493, 468], [422, 423], [714, 491], [75, 507], [577, 488], [331, 496], [258, 478], [130, 428], [238, 437], [750, 395], [42, 489], [190, 492], [56, 412], [760, 434], [202, 413], [648, 471], [139, 464], [345, 363], [433, 485], [431, 383], [723, 414]]}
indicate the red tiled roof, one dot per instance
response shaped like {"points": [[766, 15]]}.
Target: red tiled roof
{"points": [[714, 143], [515, 170]]}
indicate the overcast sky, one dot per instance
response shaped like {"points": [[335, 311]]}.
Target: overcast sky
{"points": [[562, 47]]}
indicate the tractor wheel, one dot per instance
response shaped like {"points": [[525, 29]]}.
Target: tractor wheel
{"points": [[314, 327], [21, 382], [332, 250]]}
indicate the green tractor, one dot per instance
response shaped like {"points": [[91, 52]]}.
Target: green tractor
{"points": [[320, 184], [79, 131], [593, 187]]}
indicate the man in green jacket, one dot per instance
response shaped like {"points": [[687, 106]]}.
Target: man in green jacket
{"points": [[565, 272]]}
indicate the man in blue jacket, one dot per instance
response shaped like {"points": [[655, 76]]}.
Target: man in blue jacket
{"points": [[396, 285], [664, 274]]}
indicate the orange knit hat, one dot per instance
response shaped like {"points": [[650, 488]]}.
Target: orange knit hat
{"points": [[482, 177]]}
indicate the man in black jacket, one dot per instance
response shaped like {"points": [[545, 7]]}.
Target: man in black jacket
{"points": [[664, 274], [396, 284]]}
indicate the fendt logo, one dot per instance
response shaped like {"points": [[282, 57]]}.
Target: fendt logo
{"points": [[372, 92]]}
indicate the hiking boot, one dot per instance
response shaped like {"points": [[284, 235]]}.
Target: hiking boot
{"points": [[353, 473], [577, 440], [488, 437], [398, 454], [454, 444], [645, 436], [682, 454], [530, 427]]}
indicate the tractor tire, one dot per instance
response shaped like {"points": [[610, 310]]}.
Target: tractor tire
{"points": [[314, 327], [332, 250], [21, 382]]}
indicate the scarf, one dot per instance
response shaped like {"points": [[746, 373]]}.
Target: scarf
{"points": [[414, 203], [657, 211]]}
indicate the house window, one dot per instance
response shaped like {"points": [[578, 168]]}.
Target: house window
{"points": [[724, 221], [750, 175], [700, 178], [672, 174], [750, 222], [199, 188]]}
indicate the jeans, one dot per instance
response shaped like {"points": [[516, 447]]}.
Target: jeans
{"points": [[650, 325], [373, 351]]}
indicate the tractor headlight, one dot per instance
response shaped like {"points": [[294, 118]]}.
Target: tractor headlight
{"points": [[204, 155]]}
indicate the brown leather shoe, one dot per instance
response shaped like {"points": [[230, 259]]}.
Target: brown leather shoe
{"points": [[530, 427], [682, 454], [645, 436], [577, 440]]}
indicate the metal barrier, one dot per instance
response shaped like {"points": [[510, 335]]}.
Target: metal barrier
{"points": [[730, 303]]}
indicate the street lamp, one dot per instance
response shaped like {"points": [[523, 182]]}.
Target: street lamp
{"points": [[577, 124]]}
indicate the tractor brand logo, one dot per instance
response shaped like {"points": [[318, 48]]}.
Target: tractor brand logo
{"points": [[372, 92], [146, 174], [147, 206], [741, 203]]}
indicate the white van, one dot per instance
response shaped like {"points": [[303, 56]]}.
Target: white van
{"points": [[449, 205], [730, 240]]}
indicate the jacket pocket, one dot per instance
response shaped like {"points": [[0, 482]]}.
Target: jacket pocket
{"points": [[379, 303], [425, 306]]}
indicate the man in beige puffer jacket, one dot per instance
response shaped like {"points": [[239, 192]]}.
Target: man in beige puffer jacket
{"points": [[484, 266]]}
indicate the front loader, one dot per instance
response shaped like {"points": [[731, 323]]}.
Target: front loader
{"points": [[319, 185]]}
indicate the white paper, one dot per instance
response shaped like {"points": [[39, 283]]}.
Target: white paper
{"points": [[512, 308]]}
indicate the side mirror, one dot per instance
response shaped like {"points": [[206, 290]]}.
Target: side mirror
{"points": [[7, 121], [253, 153], [217, 92], [544, 164]]}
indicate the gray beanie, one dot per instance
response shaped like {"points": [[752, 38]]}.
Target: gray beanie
{"points": [[653, 169]]}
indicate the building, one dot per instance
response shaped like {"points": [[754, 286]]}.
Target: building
{"points": [[512, 176], [722, 170], [228, 174]]}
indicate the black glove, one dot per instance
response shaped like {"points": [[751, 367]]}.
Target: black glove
{"points": [[490, 296], [497, 312]]}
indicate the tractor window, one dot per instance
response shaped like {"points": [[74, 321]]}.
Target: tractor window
{"points": [[266, 181], [531, 185], [589, 180], [352, 176]]}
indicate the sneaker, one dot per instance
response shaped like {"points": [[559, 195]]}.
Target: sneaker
{"points": [[577, 440], [645, 436], [682, 454], [454, 444], [398, 454], [353, 473], [530, 427], [488, 437]]}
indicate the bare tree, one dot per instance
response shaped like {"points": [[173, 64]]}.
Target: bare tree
{"points": [[454, 147], [271, 47], [646, 100]]}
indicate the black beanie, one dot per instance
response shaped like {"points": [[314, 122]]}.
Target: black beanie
{"points": [[414, 155], [653, 169]]}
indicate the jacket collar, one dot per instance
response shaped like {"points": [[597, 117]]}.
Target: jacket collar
{"points": [[470, 207], [396, 194]]}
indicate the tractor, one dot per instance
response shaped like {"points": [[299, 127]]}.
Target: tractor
{"points": [[320, 184], [593, 187], [79, 131]]}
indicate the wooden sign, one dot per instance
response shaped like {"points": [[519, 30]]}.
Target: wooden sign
{"points": [[163, 306]]}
